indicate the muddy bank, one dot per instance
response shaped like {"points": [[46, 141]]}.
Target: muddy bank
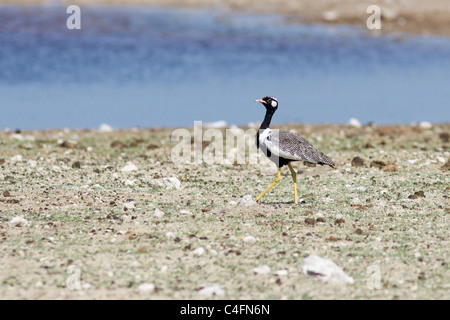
{"points": [[413, 16]]}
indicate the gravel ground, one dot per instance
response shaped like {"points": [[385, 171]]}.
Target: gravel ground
{"points": [[430, 17], [95, 224]]}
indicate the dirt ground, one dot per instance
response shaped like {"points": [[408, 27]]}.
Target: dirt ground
{"points": [[430, 17], [91, 231]]}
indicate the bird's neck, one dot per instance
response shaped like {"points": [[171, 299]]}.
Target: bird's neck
{"points": [[266, 123]]}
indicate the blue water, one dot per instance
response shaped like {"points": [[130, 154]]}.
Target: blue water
{"points": [[146, 67]]}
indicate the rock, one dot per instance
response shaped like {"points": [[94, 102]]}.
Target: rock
{"points": [[32, 163], [444, 136], [6, 193], [390, 167], [354, 123], [249, 239], [441, 159], [2, 161], [170, 235], [425, 125], [17, 158], [420, 194], [158, 213], [446, 166], [187, 212], [146, 287], [168, 183], [76, 165], [247, 201], [129, 205], [261, 270], [199, 251], [105, 128], [129, 167], [68, 144], [326, 270], [214, 290], [18, 222], [377, 164], [118, 144], [282, 272], [357, 162]]}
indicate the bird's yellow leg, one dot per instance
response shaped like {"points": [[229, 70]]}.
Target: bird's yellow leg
{"points": [[294, 177], [277, 179]]}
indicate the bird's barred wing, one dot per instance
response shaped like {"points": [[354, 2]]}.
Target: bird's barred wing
{"points": [[294, 147]]}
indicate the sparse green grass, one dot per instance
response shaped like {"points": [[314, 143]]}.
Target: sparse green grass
{"points": [[77, 217]]}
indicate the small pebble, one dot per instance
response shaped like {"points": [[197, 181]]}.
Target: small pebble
{"points": [[199, 251], [261, 270], [146, 287], [247, 201], [357, 162], [214, 290], [158, 213], [18, 222], [249, 239]]}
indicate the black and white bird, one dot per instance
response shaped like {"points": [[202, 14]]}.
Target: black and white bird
{"points": [[283, 147]]}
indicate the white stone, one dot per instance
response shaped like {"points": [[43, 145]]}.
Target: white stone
{"points": [[247, 201], [261, 270], [17, 158], [170, 235], [158, 213], [214, 290], [441, 159], [326, 270], [249, 239], [425, 125], [146, 287], [129, 205], [32, 163], [105, 128], [18, 221], [168, 183], [282, 272], [199, 251], [129, 167], [355, 123], [185, 212]]}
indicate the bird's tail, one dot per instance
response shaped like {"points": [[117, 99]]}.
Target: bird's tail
{"points": [[326, 161]]}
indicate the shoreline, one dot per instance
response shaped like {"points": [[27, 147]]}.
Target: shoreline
{"points": [[426, 19]]}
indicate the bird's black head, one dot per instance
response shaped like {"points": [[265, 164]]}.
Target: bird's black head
{"points": [[269, 102]]}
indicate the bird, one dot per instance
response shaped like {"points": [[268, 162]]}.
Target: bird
{"points": [[283, 147]]}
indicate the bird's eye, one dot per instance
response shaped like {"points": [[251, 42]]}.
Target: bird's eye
{"points": [[274, 103]]}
